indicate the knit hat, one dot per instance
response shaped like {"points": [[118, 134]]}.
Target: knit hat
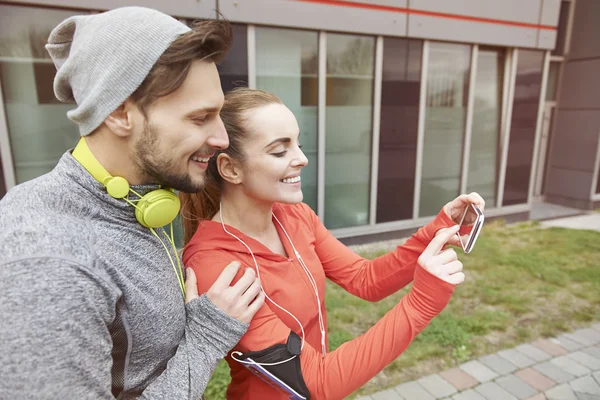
{"points": [[102, 59]]}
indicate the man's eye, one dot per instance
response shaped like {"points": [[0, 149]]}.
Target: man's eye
{"points": [[280, 154], [199, 121]]}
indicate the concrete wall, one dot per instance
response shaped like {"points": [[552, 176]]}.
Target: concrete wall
{"points": [[574, 140]]}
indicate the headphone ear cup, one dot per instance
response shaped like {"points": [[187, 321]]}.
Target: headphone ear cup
{"points": [[157, 208]]}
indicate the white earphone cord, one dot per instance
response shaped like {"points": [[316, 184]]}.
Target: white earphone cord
{"points": [[311, 279]]}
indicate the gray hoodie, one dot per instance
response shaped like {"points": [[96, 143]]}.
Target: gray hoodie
{"points": [[90, 306]]}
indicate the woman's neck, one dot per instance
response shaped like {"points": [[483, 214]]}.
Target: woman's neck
{"points": [[253, 218]]}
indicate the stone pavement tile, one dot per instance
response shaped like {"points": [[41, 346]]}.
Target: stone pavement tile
{"points": [[567, 343], [533, 352], [570, 366], [515, 386], [597, 376], [539, 396], [516, 357], [498, 364], [459, 379], [412, 390], [587, 385], [585, 359], [468, 395], [491, 391], [364, 398], [437, 386], [554, 372], [535, 379], [389, 394], [596, 327], [586, 337], [562, 392], [585, 396], [550, 348], [593, 351], [478, 371]]}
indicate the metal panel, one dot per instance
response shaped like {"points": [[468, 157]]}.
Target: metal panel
{"points": [[430, 27], [251, 56], [389, 3], [546, 39], [569, 183], [421, 129], [341, 16], [506, 10], [180, 8], [580, 85], [538, 127], [574, 139], [5, 148], [376, 126], [593, 194], [464, 176], [550, 12], [583, 42], [322, 76]]}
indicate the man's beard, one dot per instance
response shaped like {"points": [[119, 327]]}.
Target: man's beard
{"points": [[159, 168]]}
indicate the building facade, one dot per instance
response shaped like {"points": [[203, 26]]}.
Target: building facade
{"points": [[402, 104]]}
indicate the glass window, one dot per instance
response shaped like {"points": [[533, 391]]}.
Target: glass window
{"points": [[484, 154], [523, 124], [561, 32], [400, 93], [287, 63], [552, 81], [234, 69], [39, 129], [447, 93], [348, 124]]}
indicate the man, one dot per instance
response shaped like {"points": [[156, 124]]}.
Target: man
{"points": [[92, 300]]}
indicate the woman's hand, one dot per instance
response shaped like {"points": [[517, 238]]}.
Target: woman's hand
{"points": [[455, 209]]}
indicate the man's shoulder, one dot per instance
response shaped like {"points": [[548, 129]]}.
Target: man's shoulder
{"points": [[44, 217]]}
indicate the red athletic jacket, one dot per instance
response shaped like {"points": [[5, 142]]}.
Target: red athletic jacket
{"points": [[350, 366]]}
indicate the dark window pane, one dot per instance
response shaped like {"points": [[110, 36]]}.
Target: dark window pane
{"points": [[561, 33], [234, 69], [400, 91], [523, 124], [552, 81]]}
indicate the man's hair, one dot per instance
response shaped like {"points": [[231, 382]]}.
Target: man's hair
{"points": [[208, 40]]}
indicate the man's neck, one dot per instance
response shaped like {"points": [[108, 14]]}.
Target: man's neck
{"points": [[113, 153]]}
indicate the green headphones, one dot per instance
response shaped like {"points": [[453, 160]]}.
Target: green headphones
{"points": [[153, 210]]}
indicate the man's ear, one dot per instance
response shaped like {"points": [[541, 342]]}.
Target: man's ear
{"points": [[122, 120], [229, 170]]}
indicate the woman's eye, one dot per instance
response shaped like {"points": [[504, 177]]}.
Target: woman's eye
{"points": [[199, 121], [280, 154]]}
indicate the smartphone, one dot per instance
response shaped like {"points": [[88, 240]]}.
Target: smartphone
{"points": [[471, 215], [272, 380]]}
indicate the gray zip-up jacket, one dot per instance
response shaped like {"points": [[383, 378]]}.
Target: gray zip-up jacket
{"points": [[90, 306]]}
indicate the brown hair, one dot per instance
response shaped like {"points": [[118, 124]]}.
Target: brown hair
{"points": [[205, 204], [208, 40]]}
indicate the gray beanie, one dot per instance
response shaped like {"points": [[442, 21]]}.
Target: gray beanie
{"points": [[102, 59]]}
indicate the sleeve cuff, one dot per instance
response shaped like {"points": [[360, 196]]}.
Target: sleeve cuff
{"points": [[224, 330], [433, 292], [442, 220]]}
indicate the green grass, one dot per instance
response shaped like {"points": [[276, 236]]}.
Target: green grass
{"points": [[523, 283]]}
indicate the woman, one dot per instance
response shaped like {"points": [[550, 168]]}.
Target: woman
{"points": [[252, 211]]}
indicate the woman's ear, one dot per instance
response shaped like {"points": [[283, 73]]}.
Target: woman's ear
{"points": [[122, 120], [229, 170]]}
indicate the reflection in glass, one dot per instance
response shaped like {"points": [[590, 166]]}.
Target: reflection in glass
{"points": [[523, 124], [348, 123], [39, 129], [447, 93], [234, 69], [552, 81], [287, 66], [485, 134], [400, 93]]}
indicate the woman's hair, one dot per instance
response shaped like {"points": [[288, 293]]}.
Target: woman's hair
{"points": [[205, 204]]}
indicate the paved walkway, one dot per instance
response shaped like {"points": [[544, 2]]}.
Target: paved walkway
{"points": [[563, 368]]}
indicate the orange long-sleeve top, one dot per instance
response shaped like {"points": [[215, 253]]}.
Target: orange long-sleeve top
{"points": [[340, 372]]}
